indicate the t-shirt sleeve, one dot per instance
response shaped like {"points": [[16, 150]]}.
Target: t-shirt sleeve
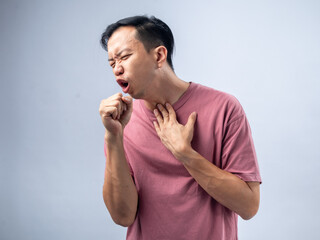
{"points": [[238, 151]]}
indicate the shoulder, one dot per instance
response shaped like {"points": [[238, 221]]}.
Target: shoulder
{"points": [[224, 101]]}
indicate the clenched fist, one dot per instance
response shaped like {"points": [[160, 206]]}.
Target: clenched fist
{"points": [[115, 113]]}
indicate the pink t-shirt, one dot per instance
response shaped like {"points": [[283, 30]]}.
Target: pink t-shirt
{"points": [[172, 205]]}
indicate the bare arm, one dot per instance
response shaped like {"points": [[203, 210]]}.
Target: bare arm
{"points": [[226, 188], [119, 191]]}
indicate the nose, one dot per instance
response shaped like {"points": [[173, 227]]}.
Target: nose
{"points": [[118, 69]]}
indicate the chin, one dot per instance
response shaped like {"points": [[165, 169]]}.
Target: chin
{"points": [[137, 95]]}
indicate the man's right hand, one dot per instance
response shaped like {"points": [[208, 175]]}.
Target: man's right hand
{"points": [[119, 191], [115, 113]]}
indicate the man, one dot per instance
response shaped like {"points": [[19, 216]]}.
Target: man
{"points": [[180, 160]]}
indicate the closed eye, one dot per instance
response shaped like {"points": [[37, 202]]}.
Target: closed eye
{"points": [[125, 56]]}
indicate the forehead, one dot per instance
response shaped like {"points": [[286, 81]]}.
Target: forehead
{"points": [[123, 37]]}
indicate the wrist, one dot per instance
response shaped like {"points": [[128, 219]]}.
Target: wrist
{"points": [[184, 153], [113, 138]]}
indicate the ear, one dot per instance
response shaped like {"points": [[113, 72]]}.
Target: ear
{"points": [[161, 55]]}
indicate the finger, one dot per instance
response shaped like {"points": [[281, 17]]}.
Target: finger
{"points": [[127, 99], [114, 105], [110, 103], [119, 106], [164, 112], [191, 120], [156, 126], [110, 112], [112, 98], [172, 113], [115, 113], [116, 96], [158, 116], [128, 102]]}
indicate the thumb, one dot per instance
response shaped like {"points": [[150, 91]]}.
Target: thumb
{"points": [[128, 101], [191, 120]]}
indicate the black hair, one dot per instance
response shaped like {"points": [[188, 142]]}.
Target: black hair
{"points": [[151, 31]]}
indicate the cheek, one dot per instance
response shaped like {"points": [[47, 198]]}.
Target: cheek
{"points": [[140, 68]]}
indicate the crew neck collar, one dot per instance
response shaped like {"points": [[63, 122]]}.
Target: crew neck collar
{"points": [[178, 104]]}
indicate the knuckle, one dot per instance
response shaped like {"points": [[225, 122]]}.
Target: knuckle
{"points": [[117, 104], [118, 96]]}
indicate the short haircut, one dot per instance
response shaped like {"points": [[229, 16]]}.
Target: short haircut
{"points": [[151, 32]]}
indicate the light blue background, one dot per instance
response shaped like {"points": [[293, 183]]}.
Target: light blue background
{"points": [[54, 75]]}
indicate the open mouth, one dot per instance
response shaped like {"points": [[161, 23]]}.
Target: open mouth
{"points": [[124, 85]]}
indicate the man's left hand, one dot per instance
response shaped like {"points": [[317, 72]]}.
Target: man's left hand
{"points": [[175, 136]]}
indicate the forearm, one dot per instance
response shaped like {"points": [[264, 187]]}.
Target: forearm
{"points": [[119, 191], [226, 188]]}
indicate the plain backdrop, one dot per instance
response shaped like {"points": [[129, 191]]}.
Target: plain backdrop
{"points": [[54, 75]]}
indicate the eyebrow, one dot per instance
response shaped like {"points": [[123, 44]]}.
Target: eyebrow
{"points": [[119, 53]]}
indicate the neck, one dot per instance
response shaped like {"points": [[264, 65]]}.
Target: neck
{"points": [[168, 88]]}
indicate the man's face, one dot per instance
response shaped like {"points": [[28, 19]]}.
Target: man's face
{"points": [[133, 67]]}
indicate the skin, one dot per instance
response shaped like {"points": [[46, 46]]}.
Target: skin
{"points": [[151, 79]]}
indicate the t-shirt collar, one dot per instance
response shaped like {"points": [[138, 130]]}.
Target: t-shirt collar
{"points": [[178, 104]]}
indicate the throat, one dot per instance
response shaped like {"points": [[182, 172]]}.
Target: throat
{"points": [[165, 93]]}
